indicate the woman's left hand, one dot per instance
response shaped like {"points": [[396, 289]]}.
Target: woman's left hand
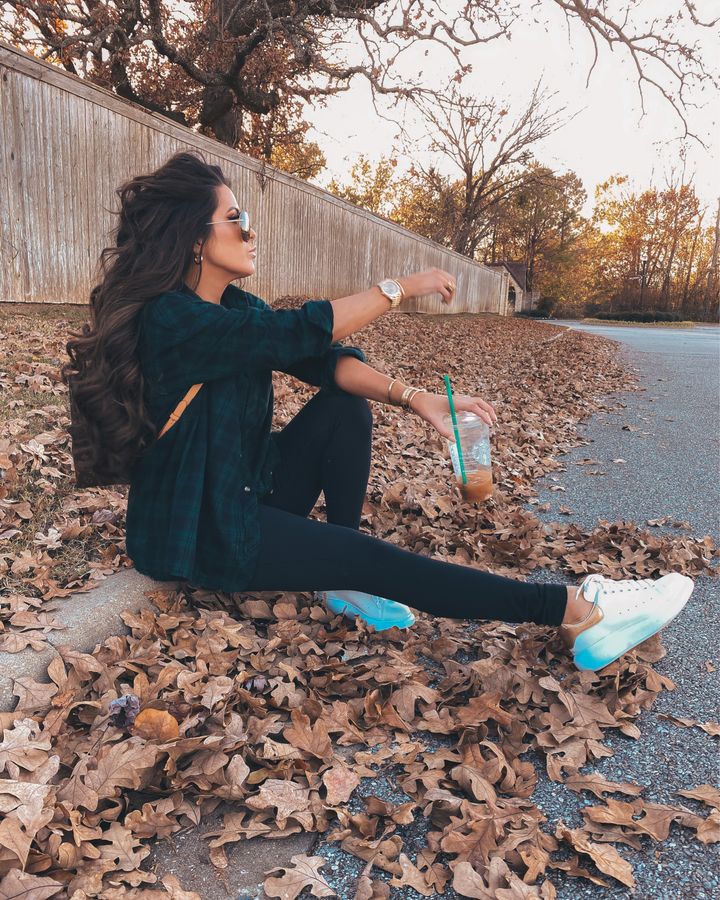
{"points": [[432, 408]]}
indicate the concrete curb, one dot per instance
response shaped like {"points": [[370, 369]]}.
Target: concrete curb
{"points": [[90, 616]]}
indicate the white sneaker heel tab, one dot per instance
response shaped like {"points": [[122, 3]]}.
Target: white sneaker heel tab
{"points": [[570, 632]]}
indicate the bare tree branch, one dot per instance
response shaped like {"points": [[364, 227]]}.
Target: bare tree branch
{"points": [[463, 130], [217, 62], [654, 46]]}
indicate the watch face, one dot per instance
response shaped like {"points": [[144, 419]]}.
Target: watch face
{"points": [[390, 287]]}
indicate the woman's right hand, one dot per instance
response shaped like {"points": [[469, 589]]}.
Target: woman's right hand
{"points": [[430, 282]]}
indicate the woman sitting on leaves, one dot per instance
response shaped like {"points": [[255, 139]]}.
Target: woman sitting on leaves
{"points": [[220, 500]]}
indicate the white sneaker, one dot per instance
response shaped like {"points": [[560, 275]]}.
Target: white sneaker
{"points": [[376, 611], [625, 614]]}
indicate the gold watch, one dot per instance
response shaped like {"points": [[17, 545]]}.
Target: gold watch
{"points": [[392, 290]]}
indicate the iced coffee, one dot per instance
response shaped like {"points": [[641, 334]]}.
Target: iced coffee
{"points": [[474, 434]]}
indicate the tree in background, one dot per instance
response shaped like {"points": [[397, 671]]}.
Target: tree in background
{"points": [[540, 223], [371, 188], [570, 280], [287, 148], [711, 299], [305, 160], [219, 65], [280, 139], [655, 252], [489, 154], [577, 265], [426, 203], [529, 214]]}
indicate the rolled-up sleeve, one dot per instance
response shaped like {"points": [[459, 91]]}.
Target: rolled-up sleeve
{"points": [[318, 369], [211, 341]]}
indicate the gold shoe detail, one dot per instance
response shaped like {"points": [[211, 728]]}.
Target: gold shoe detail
{"points": [[569, 632]]}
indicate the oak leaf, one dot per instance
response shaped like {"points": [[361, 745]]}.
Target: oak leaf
{"points": [[121, 847], [706, 793], [606, 858], [288, 797], [314, 739], [303, 874], [24, 745], [598, 785], [18, 885], [340, 782]]}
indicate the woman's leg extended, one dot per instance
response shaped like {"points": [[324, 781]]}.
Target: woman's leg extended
{"points": [[325, 447], [300, 554]]}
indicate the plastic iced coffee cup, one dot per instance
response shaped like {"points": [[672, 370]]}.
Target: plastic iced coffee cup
{"points": [[474, 435]]}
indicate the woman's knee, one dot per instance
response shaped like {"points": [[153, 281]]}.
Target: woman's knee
{"points": [[353, 409]]}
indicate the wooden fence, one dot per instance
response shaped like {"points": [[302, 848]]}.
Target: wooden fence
{"points": [[66, 145]]}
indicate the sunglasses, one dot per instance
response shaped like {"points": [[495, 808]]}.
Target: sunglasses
{"points": [[243, 222]]}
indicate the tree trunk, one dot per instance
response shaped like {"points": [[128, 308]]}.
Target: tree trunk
{"points": [[712, 280], [691, 260]]}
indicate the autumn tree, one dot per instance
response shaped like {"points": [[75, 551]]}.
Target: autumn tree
{"points": [[426, 202], [665, 228], [423, 205], [215, 64], [569, 278], [280, 139], [538, 224], [487, 153], [711, 294], [372, 188]]}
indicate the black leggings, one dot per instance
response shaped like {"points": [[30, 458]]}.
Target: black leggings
{"points": [[326, 447]]}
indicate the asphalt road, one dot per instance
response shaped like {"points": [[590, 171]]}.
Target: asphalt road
{"points": [[672, 447]]}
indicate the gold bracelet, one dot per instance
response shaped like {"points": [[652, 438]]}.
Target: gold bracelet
{"points": [[407, 396], [389, 389], [411, 397]]}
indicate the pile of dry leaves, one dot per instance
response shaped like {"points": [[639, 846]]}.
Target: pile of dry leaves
{"points": [[275, 706]]}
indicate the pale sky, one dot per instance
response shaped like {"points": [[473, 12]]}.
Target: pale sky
{"points": [[608, 134]]}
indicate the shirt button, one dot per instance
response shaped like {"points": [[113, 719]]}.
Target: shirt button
{"points": [[247, 488]]}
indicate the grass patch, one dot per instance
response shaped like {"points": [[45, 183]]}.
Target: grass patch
{"points": [[683, 324]]}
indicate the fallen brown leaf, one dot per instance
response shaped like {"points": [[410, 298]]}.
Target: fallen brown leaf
{"points": [[303, 874], [156, 725]]}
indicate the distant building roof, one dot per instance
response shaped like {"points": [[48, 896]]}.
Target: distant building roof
{"points": [[518, 270]]}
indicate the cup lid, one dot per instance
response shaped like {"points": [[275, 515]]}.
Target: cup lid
{"points": [[469, 423], [464, 416]]}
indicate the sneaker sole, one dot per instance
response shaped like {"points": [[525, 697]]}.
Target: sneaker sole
{"points": [[606, 650], [350, 611]]}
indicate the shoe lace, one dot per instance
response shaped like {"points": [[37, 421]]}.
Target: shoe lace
{"points": [[636, 585], [607, 585]]}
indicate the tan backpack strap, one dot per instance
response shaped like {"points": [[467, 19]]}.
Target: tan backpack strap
{"points": [[180, 408]]}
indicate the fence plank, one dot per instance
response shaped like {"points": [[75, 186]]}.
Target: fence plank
{"points": [[67, 145]]}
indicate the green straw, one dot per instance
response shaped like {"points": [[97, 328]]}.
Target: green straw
{"points": [[454, 421]]}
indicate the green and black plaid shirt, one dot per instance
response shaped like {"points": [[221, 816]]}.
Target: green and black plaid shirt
{"points": [[192, 502]]}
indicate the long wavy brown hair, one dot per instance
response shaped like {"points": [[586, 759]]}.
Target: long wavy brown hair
{"points": [[161, 217]]}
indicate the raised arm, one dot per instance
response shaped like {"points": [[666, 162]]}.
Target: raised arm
{"points": [[357, 310], [192, 340]]}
